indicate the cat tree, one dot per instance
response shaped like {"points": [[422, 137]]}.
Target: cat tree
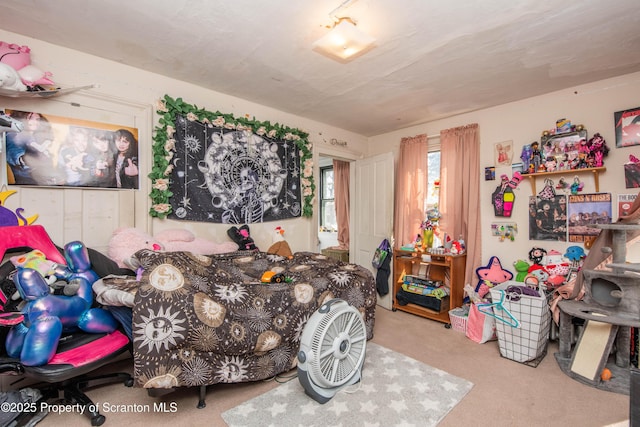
{"points": [[610, 308]]}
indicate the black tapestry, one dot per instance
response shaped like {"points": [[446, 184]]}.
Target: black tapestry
{"points": [[232, 176]]}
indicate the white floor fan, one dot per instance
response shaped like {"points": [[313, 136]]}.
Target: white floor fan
{"points": [[332, 350]]}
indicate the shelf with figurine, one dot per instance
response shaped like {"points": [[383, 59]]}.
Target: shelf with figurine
{"points": [[564, 149], [20, 78], [41, 92]]}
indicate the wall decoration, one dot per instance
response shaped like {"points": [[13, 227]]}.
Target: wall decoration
{"points": [[627, 126], [624, 203], [632, 175], [490, 173], [213, 167], [61, 151], [503, 153], [504, 230], [548, 218], [586, 210]]}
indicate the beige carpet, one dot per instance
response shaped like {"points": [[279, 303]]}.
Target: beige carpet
{"points": [[505, 393], [395, 390]]}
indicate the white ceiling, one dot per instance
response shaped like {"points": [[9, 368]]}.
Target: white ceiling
{"points": [[432, 59]]}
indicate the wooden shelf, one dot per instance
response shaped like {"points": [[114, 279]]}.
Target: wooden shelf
{"points": [[42, 93], [449, 269], [596, 172]]}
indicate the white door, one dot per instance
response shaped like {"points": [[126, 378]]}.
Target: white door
{"points": [[372, 220]]}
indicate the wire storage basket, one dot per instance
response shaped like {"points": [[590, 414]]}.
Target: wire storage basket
{"points": [[524, 321]]}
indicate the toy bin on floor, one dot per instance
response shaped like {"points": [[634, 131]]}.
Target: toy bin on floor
{"points": [[523, 322], [458, 318]]}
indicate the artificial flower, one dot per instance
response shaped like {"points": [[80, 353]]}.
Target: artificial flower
{"points": [[164, 149]]}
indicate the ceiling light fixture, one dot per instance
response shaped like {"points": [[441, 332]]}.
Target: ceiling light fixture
{"points": [[344, 42]]}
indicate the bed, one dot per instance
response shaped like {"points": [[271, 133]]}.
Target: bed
{"points": [[202, 320]]}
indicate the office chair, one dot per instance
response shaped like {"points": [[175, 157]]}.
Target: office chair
{"points": [[69, 373], [78, 355]]}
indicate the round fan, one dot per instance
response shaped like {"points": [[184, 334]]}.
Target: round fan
{"points": [[332, 350]]}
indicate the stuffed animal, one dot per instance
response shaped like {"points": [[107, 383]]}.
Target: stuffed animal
{"points": [[537, 254], [126, 241], [10, 79], [280, 246], [490, 275], [522, 268], [176, 240], [242, 236], [36, 260], [19, 59]]}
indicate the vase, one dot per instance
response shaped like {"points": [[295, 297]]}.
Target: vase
{"points": [[427, 238]]}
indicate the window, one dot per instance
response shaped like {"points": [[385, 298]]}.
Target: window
{"points": [[328, 221], [433, 178]]}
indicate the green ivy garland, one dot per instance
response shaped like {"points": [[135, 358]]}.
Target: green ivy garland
{"points": [[164, 148]]}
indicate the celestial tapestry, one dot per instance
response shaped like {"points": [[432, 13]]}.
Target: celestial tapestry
{"points": [[232, 176], [213, 167]]}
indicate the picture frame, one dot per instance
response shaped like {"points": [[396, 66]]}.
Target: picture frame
{"points": [[503, 152], [490, 173], [627, 127], [56, 151]]}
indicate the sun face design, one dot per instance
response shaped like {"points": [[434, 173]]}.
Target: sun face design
{"points": [[160, 330], [166, 277], [340, 278], [233, 370], [303, 293], [231, 293], [208, 311], [192, 144]]}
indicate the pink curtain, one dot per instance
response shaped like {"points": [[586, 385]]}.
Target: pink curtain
{"points": [[341, 199], [411, 188], [460, 190]]}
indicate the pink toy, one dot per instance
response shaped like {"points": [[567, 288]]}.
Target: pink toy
{"points": [[19, 58], [127, 241], [175, 240], [490, 275], [15, 56]]}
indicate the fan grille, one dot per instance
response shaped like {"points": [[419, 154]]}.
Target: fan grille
{"points": [[339, 345]]}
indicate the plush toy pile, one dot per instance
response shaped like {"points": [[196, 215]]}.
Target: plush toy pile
{"points": [[127, 240], [16, 70]]}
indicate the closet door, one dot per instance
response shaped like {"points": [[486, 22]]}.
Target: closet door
{"points": [[82, 213], [373, 211]]}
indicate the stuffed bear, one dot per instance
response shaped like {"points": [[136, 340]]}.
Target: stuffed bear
{"points": [[242, 236], [176, 240], [126, 241]]}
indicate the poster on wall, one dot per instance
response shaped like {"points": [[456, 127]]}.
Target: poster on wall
{"points": [[585, 211], [548, 218], [625, 201], [232, 176], [632, 175], [503, 152], [627, 126], [60, 151]]}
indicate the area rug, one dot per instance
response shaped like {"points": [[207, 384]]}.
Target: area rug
{"points": [[395, 390]]}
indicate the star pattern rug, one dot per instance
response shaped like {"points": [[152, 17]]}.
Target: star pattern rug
{"points": [[395, 390]]}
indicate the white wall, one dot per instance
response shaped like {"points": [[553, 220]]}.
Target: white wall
{"points": [[522, 122], [118, 81], [592, 105]]}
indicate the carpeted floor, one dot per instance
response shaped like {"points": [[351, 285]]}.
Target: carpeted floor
{"points": [[395, 390], [504, 394]]}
